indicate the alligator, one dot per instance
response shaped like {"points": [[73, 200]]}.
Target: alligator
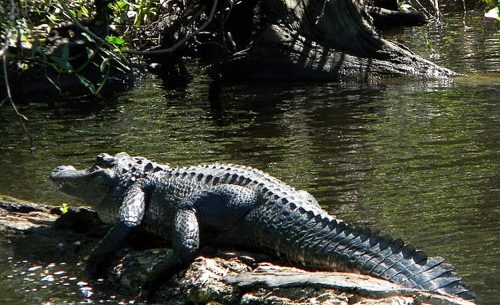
{"points": [[238, 206]]}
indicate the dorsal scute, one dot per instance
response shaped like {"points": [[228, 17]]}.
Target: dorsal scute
{"points": [[409, 251], [419, 256], [318, 218], [228, 173], [341, 226], [367, 232], [356, 231], [397, 244], [364, 233], [385, 242], [310, 214]]}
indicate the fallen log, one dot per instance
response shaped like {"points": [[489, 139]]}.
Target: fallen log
{"points": [[326, 40], [281, 54]]}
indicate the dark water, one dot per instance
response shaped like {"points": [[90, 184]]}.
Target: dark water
{"points": [[419, 160]]}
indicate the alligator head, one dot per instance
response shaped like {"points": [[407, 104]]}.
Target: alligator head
{"points": [[94, 183]]}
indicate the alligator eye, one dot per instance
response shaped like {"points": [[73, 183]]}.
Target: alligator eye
{"points": [[104, 160]]}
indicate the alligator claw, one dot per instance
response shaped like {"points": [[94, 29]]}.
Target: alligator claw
{"points": [[148, 290], [96, 267]]}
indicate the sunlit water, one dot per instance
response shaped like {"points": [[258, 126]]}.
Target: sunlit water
{"points": [[418, 160]]}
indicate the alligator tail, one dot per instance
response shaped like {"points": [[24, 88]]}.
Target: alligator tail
{"points": [[319, 241]]}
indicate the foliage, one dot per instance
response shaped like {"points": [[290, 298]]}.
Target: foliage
{"points": [[141, 12], [29, 29], [34, 19], [64, 208], [28, 26], [492, 3], [494, 11]]}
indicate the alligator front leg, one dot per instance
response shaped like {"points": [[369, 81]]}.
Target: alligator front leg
{"points": [[185, 244], [130, 216]]}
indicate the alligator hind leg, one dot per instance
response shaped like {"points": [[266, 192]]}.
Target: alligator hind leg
{"points": [[223, 206], [215, 208]]}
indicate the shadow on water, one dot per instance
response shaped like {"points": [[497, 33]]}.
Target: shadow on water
{"points": [[419, 160]]}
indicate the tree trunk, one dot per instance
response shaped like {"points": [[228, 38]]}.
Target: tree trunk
{"points": [[329, 39]]}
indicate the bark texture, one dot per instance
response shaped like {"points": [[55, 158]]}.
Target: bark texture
{"points": [[330, 39]]}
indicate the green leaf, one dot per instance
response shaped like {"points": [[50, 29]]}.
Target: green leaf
{"points": [[90, 53], [493, 13], [63, 61], [53, 18], [117, 59], [88, 37], [88, 84], [491, 3], [64, 208], [104, 65], [65, 52], [114, 40], [121, 4], [84, 10]]}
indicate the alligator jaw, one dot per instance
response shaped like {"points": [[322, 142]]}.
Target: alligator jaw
{"points": [[61, 172], [66, 174], [90, 185]]}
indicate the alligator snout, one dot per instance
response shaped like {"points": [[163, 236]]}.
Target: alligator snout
{"points": [[61, 171]]}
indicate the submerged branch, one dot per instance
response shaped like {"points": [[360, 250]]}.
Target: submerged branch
{"points": [[386, 17]]}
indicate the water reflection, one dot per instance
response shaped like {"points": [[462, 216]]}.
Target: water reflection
{"points": [[467, 43], [46, 272]]}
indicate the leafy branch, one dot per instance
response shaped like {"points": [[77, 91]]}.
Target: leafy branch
{"points": [[9, 33]]}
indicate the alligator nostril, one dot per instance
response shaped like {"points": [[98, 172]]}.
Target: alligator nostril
{"points": [[58, 171], [61, 168]]}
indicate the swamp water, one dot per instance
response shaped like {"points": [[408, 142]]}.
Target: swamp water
{"points": [[418, 160]]}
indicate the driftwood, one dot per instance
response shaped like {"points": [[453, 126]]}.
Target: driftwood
{"points": [[216, 276]]}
